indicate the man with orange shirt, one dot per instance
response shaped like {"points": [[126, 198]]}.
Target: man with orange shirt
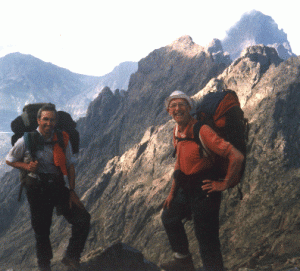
{"points": [[44, 169], [196, 188]]}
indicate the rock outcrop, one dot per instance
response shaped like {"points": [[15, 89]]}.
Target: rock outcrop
{"points": [[216, 50]]}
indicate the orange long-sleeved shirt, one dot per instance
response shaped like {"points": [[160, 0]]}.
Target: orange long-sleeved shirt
{"points": [[188, 156]]}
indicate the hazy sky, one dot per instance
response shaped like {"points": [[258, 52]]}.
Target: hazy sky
{"points": [[92, 37]]}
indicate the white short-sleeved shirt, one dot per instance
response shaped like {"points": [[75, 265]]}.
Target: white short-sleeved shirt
{"points": [[45, 157]]}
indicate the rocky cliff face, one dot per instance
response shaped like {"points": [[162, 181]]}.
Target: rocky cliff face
{"points": [[125, 198], [267, 219]]}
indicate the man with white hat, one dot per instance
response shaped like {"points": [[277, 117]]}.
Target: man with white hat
{"points": [[196, 190]]}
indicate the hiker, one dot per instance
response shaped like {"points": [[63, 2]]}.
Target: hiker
{"points": [[45, 187], [196, 190]]}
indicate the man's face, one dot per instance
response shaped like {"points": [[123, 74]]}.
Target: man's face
{"points": [[179, 110], [46, 123]]}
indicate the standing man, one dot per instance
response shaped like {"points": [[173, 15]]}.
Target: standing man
{"points": [[196, 190], [44, 160]]}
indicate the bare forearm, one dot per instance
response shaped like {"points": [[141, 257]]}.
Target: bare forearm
{"points": [[18, 165], [236, 159], [32, 166]]}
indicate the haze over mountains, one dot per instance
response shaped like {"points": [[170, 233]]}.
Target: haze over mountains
{"points": [[125, 163], [25, 79]]}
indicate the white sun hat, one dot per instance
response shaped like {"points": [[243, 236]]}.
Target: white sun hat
{"points": [[177, 94]]}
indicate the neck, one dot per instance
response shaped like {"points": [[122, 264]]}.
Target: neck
{"points": [[46, 136], [183, 125]]}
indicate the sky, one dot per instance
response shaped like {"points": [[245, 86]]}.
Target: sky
{"points": [[92, 37]]}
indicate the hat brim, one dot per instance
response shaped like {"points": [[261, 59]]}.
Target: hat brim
{"points": [[179, 96]]}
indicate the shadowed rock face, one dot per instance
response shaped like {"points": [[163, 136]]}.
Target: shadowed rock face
{"points": [[125, 194]]}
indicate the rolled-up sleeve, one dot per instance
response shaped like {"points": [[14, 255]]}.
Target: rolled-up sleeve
{"points": [[17, 152], [214, 142]]}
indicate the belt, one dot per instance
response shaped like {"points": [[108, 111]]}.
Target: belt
{"points": [[51, 177]]}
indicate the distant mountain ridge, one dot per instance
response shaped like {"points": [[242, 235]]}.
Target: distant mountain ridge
{"points": [[25, 79]]}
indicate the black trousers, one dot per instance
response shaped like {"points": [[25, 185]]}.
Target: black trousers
{"points": [[205, 214], [51, 192]]}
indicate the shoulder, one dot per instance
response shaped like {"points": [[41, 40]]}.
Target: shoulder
{"points": [[208, 135], [206, 129], [17, 152], [19, 143]]}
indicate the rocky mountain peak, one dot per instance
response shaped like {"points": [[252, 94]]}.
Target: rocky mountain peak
{"points": [[216, 50], [215, 46], [106, 92], [255, 28], [261, 54], [186, 45], [244, 73]]}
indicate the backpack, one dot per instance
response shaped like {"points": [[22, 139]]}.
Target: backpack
{"points": [[222, 112], [27, 122]]}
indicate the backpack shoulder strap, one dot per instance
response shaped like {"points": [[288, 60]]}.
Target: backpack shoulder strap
{"points": [[197, 138], [32, 141], [179, 139]]}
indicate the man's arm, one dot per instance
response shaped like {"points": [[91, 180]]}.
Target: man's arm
{"points": [[16, 155], [71, 176], [223, 148], [74, 199], [171, 195], [236, 159], [31, 167]]}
